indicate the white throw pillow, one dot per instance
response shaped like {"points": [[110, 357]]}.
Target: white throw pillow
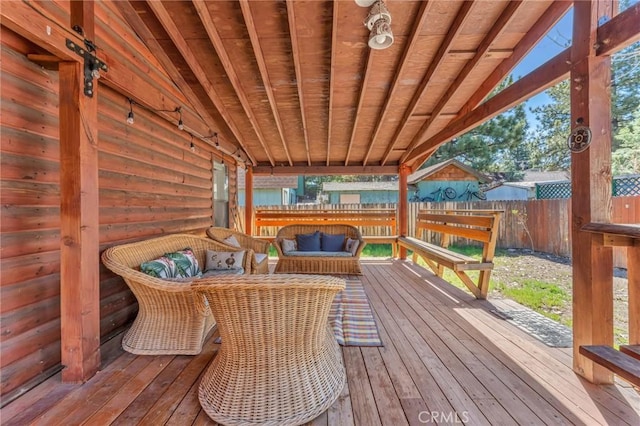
{"points": [[352, 246], [289, 245], [231, 241], [221, 260]]}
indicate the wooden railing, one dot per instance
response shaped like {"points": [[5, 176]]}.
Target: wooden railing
{"points": [[377, 226], [625, 362]]}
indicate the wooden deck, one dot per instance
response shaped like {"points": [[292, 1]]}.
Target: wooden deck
{"points": [[446, 359]]}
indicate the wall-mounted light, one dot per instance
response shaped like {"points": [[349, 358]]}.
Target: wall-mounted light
{"points": [[180, 123], [130, 115]]}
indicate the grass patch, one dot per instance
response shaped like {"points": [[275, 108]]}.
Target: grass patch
{"points": [[539, 296], [377, 250]]}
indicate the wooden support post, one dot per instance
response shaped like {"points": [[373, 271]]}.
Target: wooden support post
{"points": [[79, 227], [248, 202], [403, 211], [633, 273], [591, 193]]}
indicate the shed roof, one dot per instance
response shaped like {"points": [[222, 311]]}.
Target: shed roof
{"points": [[360, 186], [423, 174], [265, 182]]}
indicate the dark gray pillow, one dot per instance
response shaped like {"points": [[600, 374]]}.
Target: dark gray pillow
{"points": [[332, 242], [308, 242]]}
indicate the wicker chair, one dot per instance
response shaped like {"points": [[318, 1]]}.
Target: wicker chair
{"points": [[260, 264], [321, 264], [279, 362], [170, 320]]}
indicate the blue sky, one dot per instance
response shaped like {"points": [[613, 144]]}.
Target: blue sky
{"points": [[553, 43]]}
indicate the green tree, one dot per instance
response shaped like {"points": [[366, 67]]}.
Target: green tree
{"points": [[626, 159], [495, 146]]}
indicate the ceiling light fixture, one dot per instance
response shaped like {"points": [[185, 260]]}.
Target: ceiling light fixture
{"points": [[365, 3], [379, 23]]}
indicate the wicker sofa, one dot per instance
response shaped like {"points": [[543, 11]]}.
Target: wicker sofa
{"points": [[295, 262], [171, 319], [285, 368], [260, 262]]}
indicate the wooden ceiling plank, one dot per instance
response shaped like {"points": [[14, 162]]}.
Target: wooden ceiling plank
{"points": [[181, 44], [218, 45], [619, 32], [264, 73], [408, 51], [133, 19], [548, 74], [496, 30], [459, 21], [295, 52], [548, 19], [325, 170], [334, 46], [363, 87]]}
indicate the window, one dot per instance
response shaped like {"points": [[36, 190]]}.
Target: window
{"points": [[220, 195]]}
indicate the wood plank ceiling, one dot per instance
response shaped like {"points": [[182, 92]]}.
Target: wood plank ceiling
{"points": [[294, 83]]}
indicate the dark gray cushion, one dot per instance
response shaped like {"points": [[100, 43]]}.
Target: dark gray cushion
{"points": [[332, 242], [309, 242]]}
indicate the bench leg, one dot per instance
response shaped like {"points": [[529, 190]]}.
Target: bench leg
{"points": [[473, 288], [483, 283]]}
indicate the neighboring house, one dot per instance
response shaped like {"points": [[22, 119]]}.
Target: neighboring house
{"points": [[450, 180], [360, 192], [525, 189], [512, 191], [269, 190]]}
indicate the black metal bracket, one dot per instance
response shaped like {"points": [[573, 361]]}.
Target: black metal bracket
{"points": [[92, 65]]}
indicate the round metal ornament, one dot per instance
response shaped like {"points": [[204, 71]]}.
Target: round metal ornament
{"points": [[579, 139]]}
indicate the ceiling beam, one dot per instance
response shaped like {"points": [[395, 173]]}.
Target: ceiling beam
{"points": [[548, 74], [495, 32], [295, 53], [438, 60], [325, 170], [418, 24], [619, 32], [334, 47], [491, 53], [181, 44], [363, 87], [141, 29], [264, 73], [548, 19], [218, 45]]}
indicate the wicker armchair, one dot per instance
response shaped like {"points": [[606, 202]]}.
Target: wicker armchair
{"points": [[260, 264], [171, 319], [279, 362], [322, 263]]}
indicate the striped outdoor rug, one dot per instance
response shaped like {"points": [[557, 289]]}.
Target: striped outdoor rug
{"points": [[352, 319]]}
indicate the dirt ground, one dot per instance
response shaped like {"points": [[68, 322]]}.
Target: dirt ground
{"points": [[557, 270]]}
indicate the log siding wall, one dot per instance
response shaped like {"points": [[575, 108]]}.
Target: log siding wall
{"points": [[150, 183]]}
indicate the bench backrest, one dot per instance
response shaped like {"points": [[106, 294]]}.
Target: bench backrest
{"points": [[478, 225], [360, 218]]}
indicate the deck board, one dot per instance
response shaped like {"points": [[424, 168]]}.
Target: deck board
{"points": [[445, 355]]}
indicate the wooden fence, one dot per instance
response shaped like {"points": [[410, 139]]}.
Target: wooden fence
{"points": [[543, 224]]}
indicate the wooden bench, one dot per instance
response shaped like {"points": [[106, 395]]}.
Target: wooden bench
{"points": [[363, 219], [478, 225]]}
